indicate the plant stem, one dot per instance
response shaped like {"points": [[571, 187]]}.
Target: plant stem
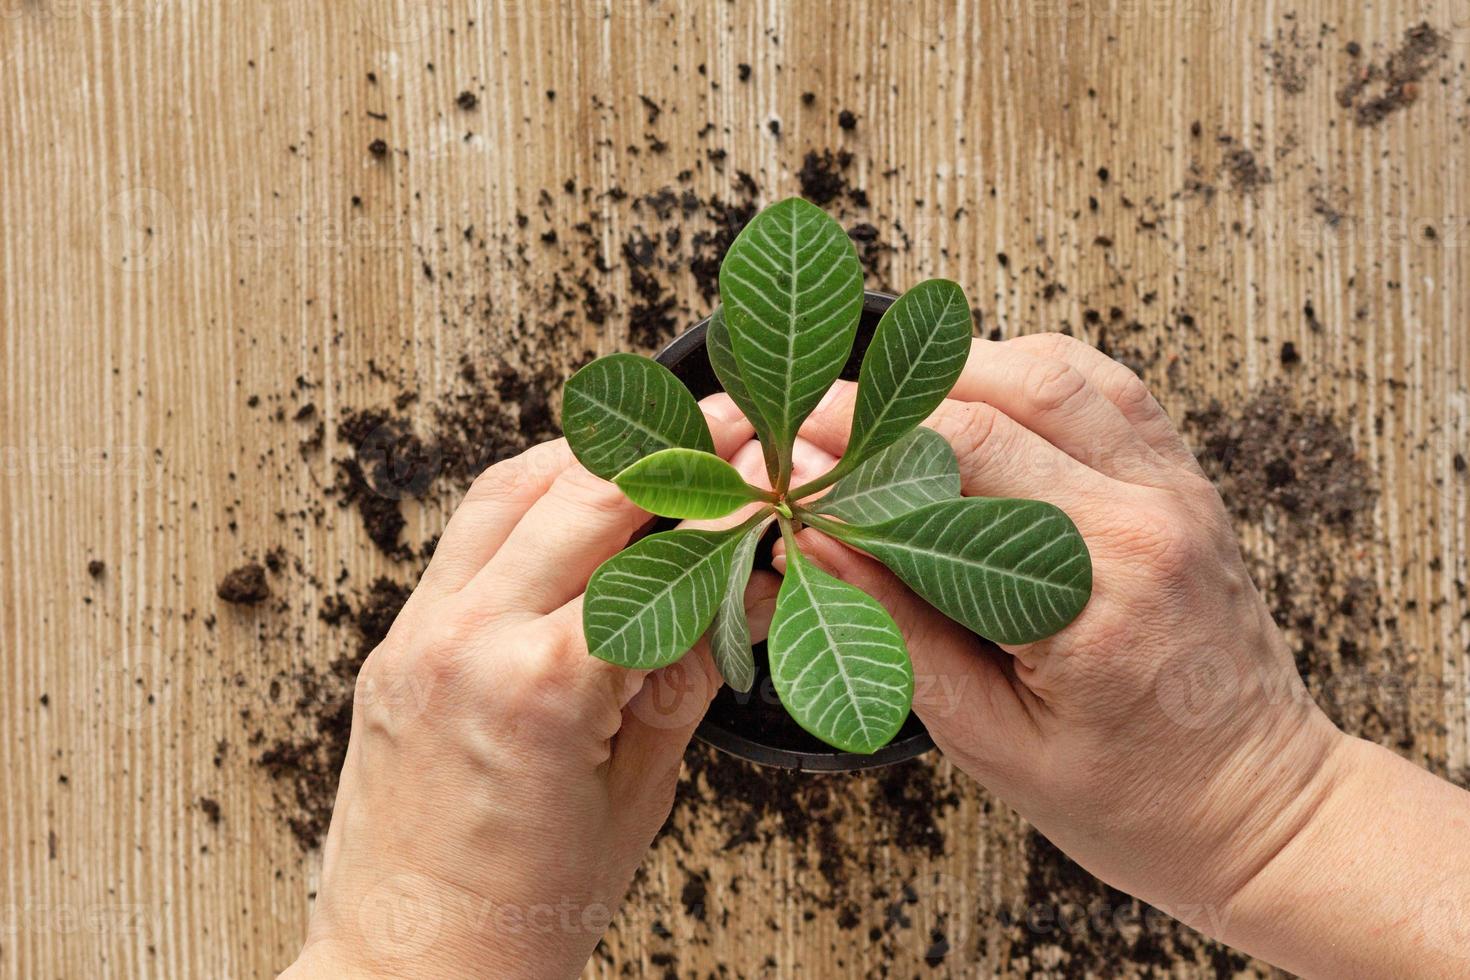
{"points": [[788, 533], [838, 530], [769, 496], [822, 482]]}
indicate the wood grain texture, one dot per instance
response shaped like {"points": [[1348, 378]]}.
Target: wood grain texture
{"points": [[178, 234]]}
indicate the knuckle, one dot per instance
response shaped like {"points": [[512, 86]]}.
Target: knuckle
{"points": [[1052, 385], [500, 482], [581, 488], [1131, 394], [1170, 550], [972, 429], [1050, 343]]}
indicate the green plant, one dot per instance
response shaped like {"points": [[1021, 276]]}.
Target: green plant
{"points": [[791, 296]]}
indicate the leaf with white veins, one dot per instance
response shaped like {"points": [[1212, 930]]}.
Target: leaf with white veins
{"points": [[838, 660], [729, 636], [685, 483], [648, 604], [916, 356], [792, 294], [1014, 571], [623, 407], [920, 468], [722, 359]]}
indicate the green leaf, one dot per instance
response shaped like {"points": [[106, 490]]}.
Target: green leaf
{"points": [[1013, 571], [722, 359], [792, 291], [648, 604], [685, 483], [915, 359], [837, 659], [623, 407], [729, 636], [920, 468]]}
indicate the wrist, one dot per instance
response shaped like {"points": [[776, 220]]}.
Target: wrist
{"points": [[1376, 883]]}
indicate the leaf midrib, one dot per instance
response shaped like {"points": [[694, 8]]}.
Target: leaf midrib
{"points": [[878, 420], [671, 584], [816, 608], [952, 560], [632, 420]]}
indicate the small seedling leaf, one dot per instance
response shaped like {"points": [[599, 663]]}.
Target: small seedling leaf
{"points": [[838, 660], [919, 469], [685, 483], [648, 604], [792, 293], [727, 369], [915, 358], [729, 636], [623, 407], [1014, 571]]}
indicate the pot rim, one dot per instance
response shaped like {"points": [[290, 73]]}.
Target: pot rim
{"points": [[742, 746]]}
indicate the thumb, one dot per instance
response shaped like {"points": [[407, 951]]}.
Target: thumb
{"points": [[964, 687], [661, 717]]}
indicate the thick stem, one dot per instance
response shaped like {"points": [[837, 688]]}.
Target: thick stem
{"points": [[822, 482], [842, 532]]}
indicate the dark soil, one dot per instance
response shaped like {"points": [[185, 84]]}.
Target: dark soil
{"points": [[1376, 91], [245, 585], [822, 175], [1273, 454], [305, 764], [96, 568]]}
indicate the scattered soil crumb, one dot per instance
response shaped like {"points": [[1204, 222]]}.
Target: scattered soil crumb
{"points": [[821, 175], [245, 585], [210, 808], [96, 568], [1376, 92]]}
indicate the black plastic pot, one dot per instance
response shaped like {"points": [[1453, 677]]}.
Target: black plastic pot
{"points": [[755, 726]]}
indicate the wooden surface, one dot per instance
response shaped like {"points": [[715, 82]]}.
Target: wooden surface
{"points": [[176, 180]]}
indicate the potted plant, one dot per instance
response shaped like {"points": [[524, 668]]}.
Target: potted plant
{"points": [[792, 301]]}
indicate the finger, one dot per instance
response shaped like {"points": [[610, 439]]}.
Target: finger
{"points": [[499, 497], [964, 689], [1120, 386], [1054, 399], [660, 718], [657, 724], [808, 461], [998, 457], [580, 521]]}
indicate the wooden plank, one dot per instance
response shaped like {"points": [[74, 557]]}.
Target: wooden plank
{"points": [[179, 234]]}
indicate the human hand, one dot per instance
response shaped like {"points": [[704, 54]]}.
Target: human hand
{"points": [[501, 785], [1164, 739]]}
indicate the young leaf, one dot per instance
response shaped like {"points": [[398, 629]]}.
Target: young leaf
{"points": [[792, 291], [648, 604], [685, 483], [838, 660], [916, 356], [1013, 571], [623, 407], [920, 468], [729, 636], [722, 359]]}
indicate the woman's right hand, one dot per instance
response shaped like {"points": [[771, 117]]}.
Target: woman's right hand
{"points": [[1163, 739]]}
